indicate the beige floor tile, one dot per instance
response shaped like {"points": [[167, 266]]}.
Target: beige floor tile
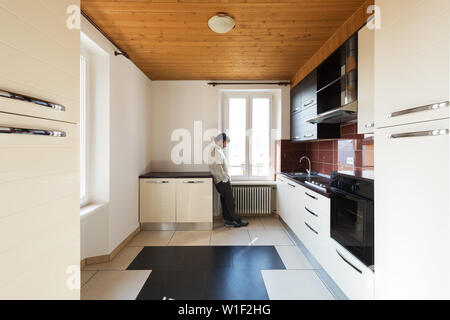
{"points": [[115, 285], [190, 238], [293, 258], [270, 238], [151, 238], [230, 237], [85, 276], [120, 262], [295, 285], [254, 223], [270, 223]]}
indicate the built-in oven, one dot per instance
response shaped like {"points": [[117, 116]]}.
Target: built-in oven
{"points": [[352, 215]]}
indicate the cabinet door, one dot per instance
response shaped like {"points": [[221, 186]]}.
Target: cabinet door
{"points": [[351, 275], [296, 98], [412, 60], [282, 199], [39, 208], [296, 126], [194, 200], [366, 70], [412, 219], [157, 200]]}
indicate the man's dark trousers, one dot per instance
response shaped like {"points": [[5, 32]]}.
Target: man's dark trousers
{"points": [[227, 201]]}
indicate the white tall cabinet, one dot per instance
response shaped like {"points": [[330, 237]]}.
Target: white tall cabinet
{"points": [[412, 218], [39, 169]]}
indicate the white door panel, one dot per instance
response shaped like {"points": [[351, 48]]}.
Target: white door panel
{"points": [[412, 219]]}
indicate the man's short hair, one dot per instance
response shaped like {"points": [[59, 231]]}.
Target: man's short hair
{"points": [[222, 137]]}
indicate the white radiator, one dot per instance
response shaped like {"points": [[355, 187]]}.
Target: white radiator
{"points": [[253, 199]]}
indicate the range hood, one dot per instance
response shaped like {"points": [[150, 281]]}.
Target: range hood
{"points": [[342, 114]]}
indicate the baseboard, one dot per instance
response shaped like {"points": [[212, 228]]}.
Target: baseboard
{"points": [[109, 257]]}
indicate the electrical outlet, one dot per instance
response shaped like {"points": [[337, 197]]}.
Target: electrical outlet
{"points": [[350, 160]]}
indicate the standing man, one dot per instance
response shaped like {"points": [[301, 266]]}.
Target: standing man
{"points": [[222, 180]]}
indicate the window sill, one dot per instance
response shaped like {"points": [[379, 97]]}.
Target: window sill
{"points": [[90, 208]]}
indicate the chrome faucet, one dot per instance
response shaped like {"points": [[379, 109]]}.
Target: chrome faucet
{"points": [[309, 161]]}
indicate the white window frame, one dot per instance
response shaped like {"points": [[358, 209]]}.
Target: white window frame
{"points": [[85, 117], [249, 96]]}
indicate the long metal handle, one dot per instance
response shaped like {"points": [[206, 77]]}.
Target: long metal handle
{"points": [[348, 262], [21, 97], [308, 135], [314, 214], [308, 103], [419, 109], [193, 181], [158, 181], [311, 228], [38, 132], [315, 198], [429, 133], [369, 125], [296, 137], [291, 185]]}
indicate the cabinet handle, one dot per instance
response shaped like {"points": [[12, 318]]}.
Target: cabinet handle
{"points": [[291, 185], [430, 133], [311, 228], [158, 181], [308, 135], [193, 181], [351, 265], [308, 103], [315, 198], [314, 214], [40, 102], [419, 109], [370, 125], [37, 132]]}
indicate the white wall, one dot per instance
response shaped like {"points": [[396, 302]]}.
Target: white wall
{"points": [[127, 154], [177, 104]]}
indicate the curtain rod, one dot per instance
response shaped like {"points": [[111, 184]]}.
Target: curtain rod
{"points": [[247, 83], [116, 53]]}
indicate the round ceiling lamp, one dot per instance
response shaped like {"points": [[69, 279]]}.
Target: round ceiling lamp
{"points": [[221, 23]]}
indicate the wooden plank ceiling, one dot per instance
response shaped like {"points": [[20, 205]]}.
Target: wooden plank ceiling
{"points": [[170, 39]]}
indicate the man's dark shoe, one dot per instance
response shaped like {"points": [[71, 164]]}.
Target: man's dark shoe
{"points": [[243, 223], [232, 224]]}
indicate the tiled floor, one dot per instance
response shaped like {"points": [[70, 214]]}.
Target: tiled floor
{"points": [[256, 262]]}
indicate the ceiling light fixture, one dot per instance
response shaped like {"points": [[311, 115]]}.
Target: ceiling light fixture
{"points": [[221, 23]]}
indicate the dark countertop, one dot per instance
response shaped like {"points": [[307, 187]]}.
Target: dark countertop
{"points": [[301, 181], [174, 175], [367, 175]]}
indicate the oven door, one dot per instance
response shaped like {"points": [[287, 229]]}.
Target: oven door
{"points": [[352, 224]]}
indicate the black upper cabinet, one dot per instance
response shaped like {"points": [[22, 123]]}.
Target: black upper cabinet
{"points": [[304, 107], [296, 97], [330, 86]]}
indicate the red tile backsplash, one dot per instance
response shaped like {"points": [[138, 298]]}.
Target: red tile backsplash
{"points": [[328, 155]]}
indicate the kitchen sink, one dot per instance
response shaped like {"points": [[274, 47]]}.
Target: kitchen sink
{"points": [[298, 174]]}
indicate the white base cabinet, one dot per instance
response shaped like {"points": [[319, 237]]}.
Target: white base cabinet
{"points": [[176, 200], [307, 213], [354, 278]]}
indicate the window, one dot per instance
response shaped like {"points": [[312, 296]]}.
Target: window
{"points": [[84, 198], [247, 122]]}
